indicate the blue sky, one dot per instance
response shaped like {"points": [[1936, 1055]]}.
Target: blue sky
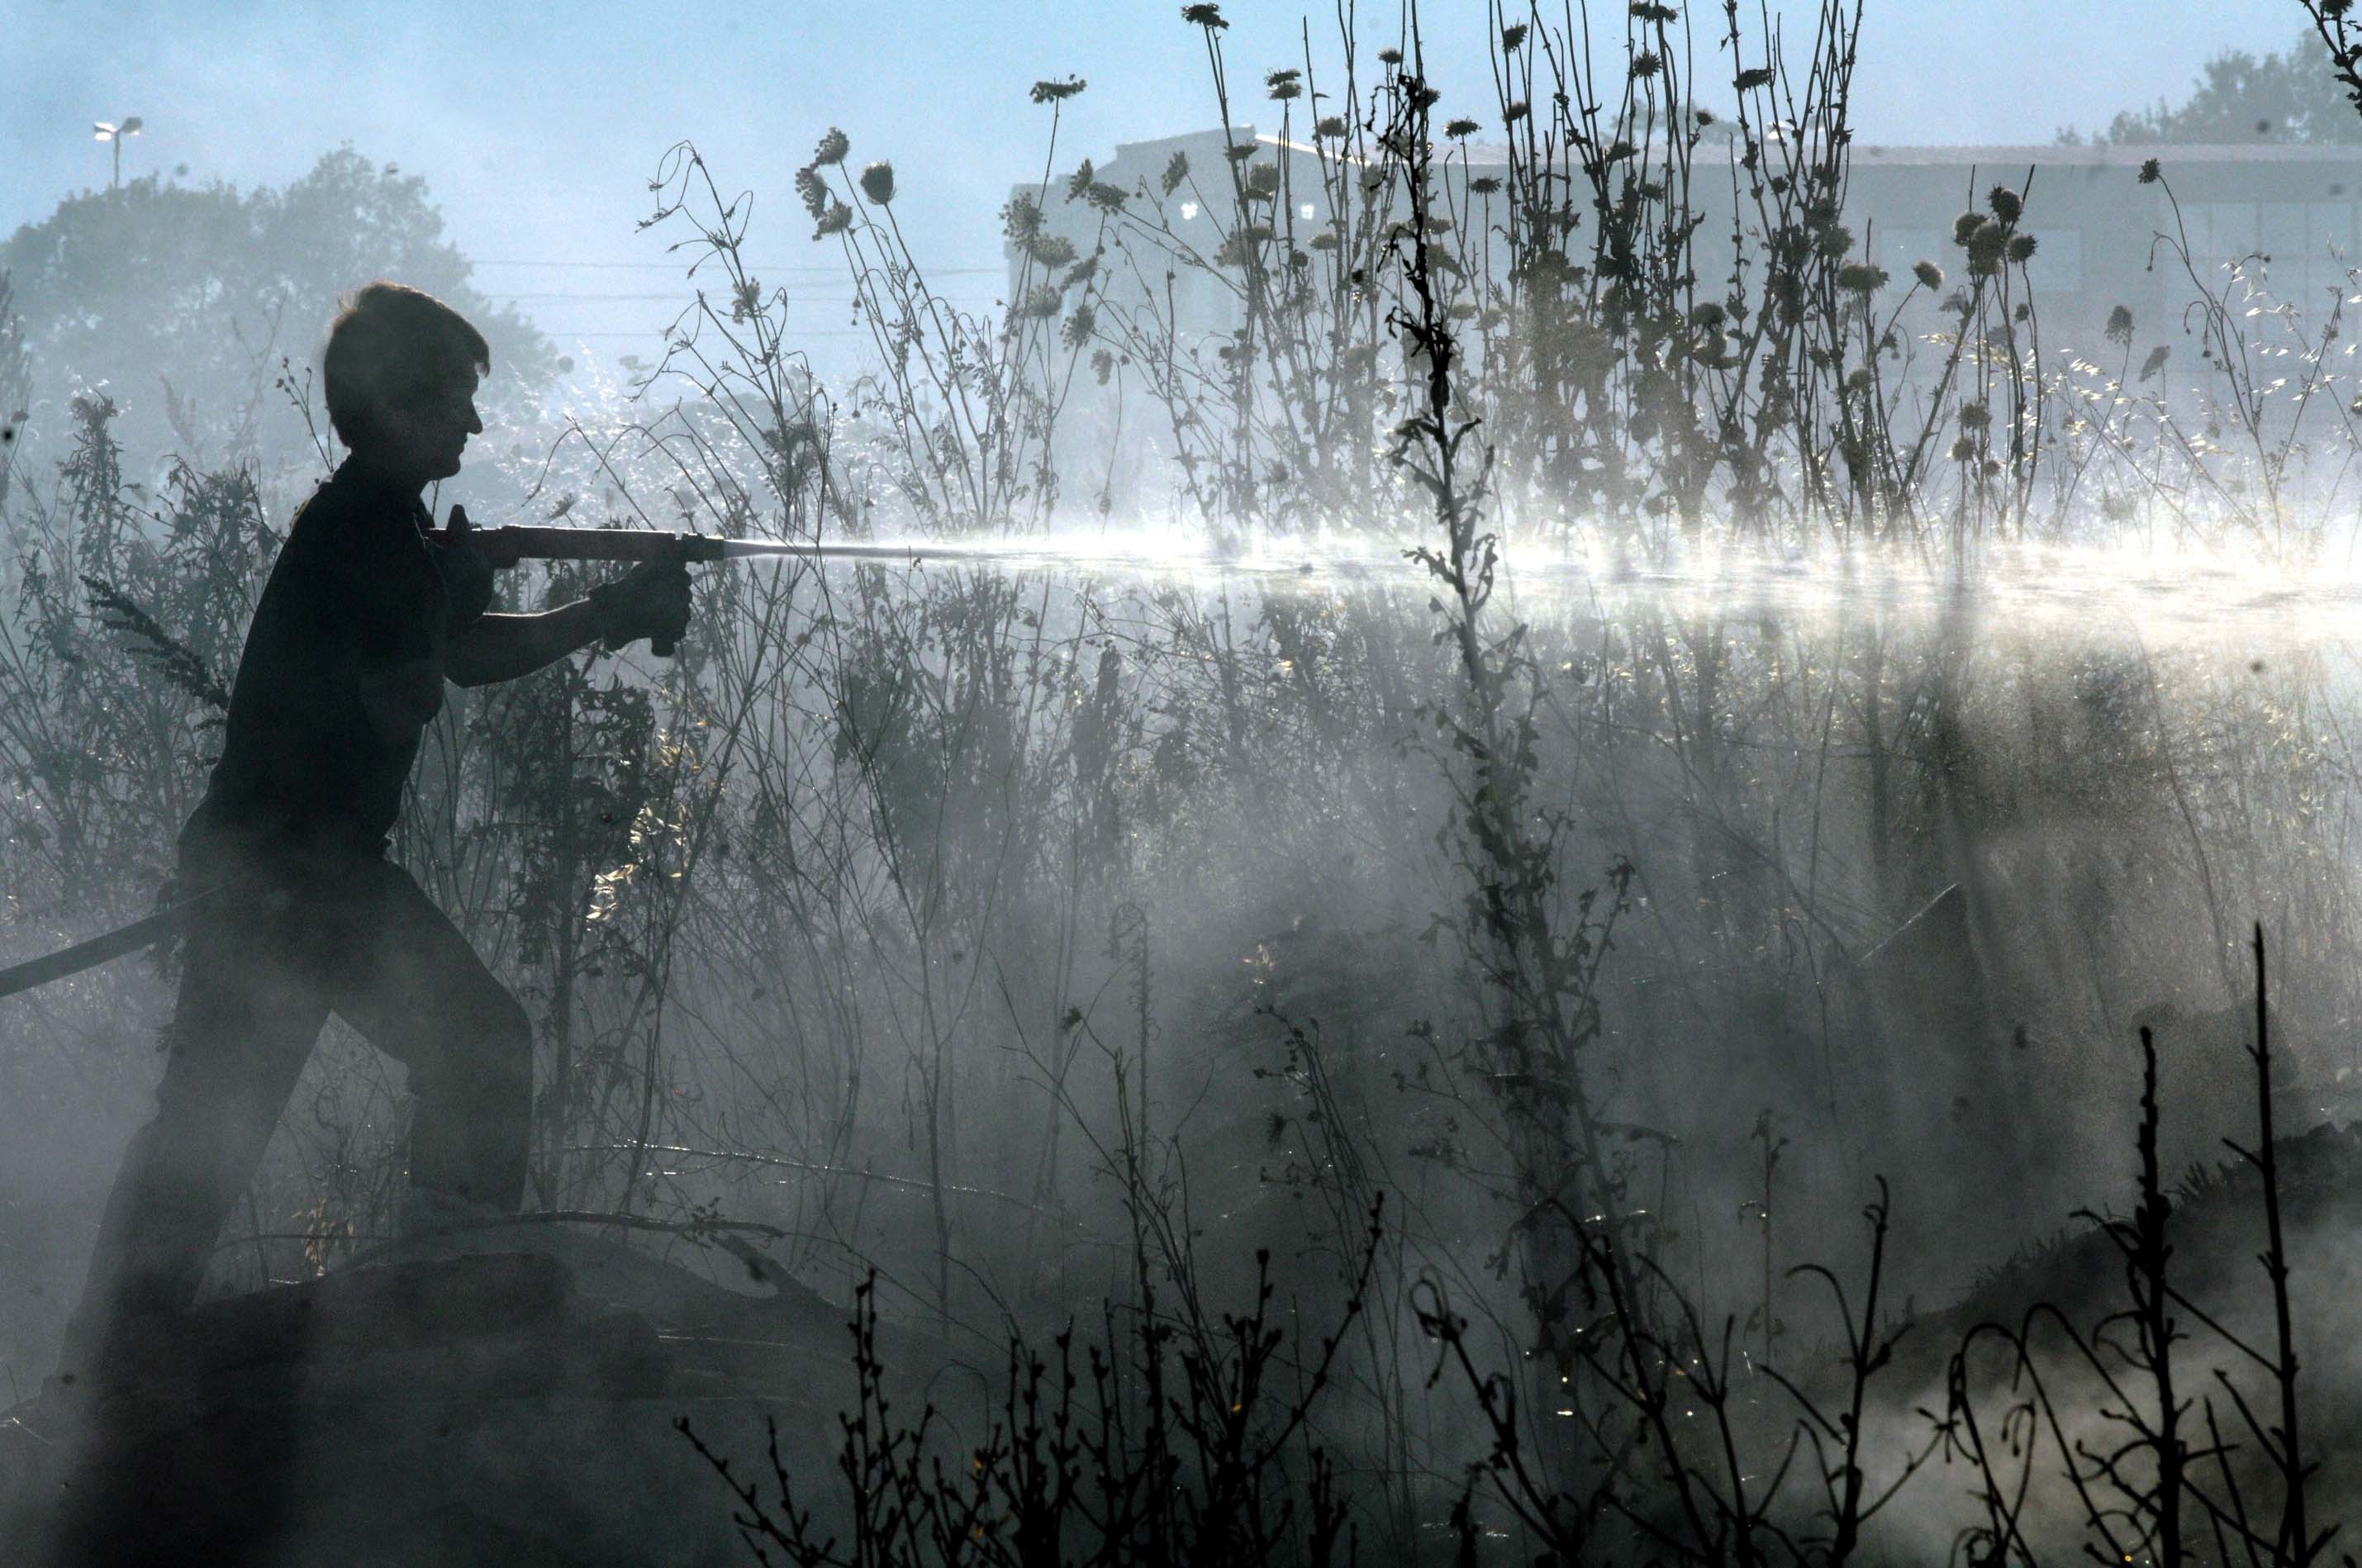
{"points": [[538, 124]]}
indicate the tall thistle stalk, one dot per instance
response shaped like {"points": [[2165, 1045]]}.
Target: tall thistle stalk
{"points": [[1542, 973]]}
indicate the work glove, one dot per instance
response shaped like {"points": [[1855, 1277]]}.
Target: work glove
{"points": [[650, 601], [467, 572]]}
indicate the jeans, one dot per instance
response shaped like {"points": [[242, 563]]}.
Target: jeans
{"points": [[288, 941]]}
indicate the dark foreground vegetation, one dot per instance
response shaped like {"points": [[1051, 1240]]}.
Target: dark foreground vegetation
{"points": [[1457, 1061]]}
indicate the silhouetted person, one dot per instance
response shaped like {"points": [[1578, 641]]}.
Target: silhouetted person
{"points": [[361, 622]]}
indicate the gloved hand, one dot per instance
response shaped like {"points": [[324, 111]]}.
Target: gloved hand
{"points": [[650, 601], [466, 571]]}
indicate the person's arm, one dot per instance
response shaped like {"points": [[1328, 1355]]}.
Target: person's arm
{"points": [[502, 647], [650, 601]]}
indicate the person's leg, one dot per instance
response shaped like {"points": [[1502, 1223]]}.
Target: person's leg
{"points": [[241, 1031], [419, 993]]}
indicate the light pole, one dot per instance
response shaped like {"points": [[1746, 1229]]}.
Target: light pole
{"points": [[108, 131]]}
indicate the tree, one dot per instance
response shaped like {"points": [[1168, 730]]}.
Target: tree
{"points": [[2291, 97], [185, 299]]}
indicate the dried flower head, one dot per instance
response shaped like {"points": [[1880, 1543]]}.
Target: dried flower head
{"points": [[1930, 276], [1647, 11], [1963, 449], [1207, 17], [1262, 183], [812, 190], [1389, 57], [836, 220], [1965, 226], [2154, 362], [1748, 80], [2020, 248], [2006, 202], [831, 149], [1513, 37], [877, 182], [1041, 303], [1284, 84], [1329, 127], [1987, 246], [1021, 219], [1108, 198], [1484, 186], [1515, 110], [2119, 329], [1051, 250], [1177, 169], [1243, 245], [2150, 172], [1325, 241], [1059, 92], [1462, 129], [1080, 326], [1647, 63], [1975, 416], [1861, 278]]}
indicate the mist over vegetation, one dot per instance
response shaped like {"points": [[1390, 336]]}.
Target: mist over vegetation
{"points": [[1618, 922]]}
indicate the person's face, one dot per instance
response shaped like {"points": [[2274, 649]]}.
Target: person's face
{"points": [[424, 438]]}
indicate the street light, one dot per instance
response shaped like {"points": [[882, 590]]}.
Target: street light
{"points": [[108, 131]]}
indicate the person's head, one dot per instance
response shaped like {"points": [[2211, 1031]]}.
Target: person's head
{"points": [[400, 374]]}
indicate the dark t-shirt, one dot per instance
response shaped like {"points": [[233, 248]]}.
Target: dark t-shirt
{"points": [[355, 592]]}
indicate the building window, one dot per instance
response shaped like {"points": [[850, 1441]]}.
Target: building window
{"points": [[1188, 212], [1304, 211]]}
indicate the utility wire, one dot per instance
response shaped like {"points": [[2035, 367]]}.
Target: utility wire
{"points": [[752, 267]]}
